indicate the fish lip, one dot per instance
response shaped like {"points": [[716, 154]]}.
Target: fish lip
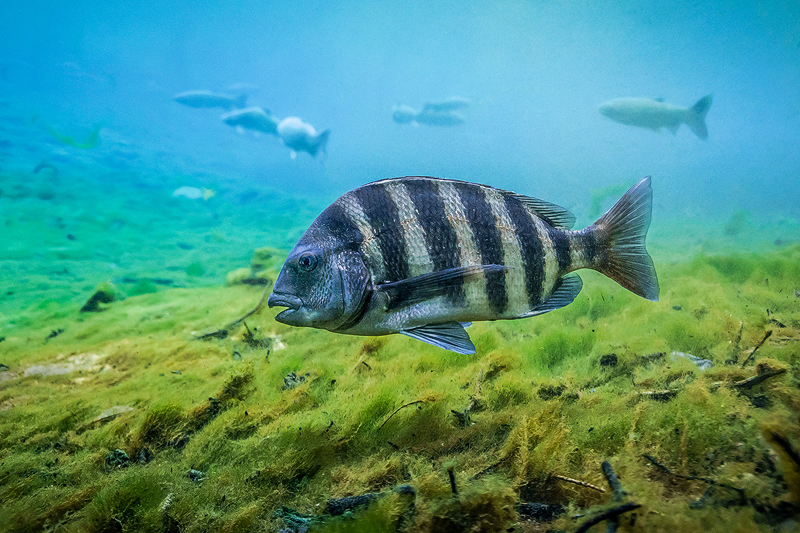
{"points": [[284, 300]]}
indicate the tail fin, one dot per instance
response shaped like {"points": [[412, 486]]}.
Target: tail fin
{"points": [[320, 143], [622, 232], [697, 117]]}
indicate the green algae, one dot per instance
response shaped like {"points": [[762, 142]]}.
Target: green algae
{"points": [[91, 141], [375, 413]]}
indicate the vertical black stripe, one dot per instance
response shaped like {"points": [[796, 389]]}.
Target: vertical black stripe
{"points": [[561, 245], [530, 247], [335, 220], [440, 237], [589, 240], [487, 237], [381, 213]]}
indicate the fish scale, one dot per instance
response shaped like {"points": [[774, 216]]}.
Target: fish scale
{"points": [[487, 239]]}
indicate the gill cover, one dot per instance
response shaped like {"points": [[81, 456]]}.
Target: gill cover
{"points": [[324, 281]]}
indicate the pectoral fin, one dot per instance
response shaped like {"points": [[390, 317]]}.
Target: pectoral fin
{"points": [[426, 286], [450, 336]]}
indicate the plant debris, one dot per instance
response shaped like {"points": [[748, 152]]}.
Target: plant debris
{"points": [[759, 345]]}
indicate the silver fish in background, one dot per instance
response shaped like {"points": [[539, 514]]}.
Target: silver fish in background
{"points": [[424, 256], [300, 136], [655, 114], [403, 114], [209, 99], [439, 118], [448, 104], [252, 118]]}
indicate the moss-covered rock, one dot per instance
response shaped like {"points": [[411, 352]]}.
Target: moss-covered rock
{"points": [[103, 294]]}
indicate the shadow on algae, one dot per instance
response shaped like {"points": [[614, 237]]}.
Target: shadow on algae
{"points": [[678, 415]]}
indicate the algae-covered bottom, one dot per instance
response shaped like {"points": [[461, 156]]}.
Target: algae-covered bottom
{"points": [[119, 419]]}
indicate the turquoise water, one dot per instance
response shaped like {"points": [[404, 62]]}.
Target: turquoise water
{"points": [[533, 72]]}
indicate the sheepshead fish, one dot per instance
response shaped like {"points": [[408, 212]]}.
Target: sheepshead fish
{"points": [[425, 256]]}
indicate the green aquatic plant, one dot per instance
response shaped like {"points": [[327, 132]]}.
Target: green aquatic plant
{"points": [[540, 404], [91, 141], [737, 222], [598, 196]]}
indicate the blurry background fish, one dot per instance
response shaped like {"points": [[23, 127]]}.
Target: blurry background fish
{"points": [[442, 113], [252, 118], [538, 69], [209, 99]]}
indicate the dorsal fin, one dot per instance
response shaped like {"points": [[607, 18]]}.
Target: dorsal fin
{"points": [[553, 214]]}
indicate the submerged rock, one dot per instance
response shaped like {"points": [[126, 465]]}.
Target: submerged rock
{"points": [[339, 506], [540, 512], [145, 456], [103, 294], [117, 459], [609, 360], [196, 475], [262, 260], [292, 380]]}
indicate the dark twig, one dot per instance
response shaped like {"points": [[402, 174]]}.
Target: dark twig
{"points": [[613, 481], [401, 407], [751, 381], [694, 478], [452, 477], [223, 332], [218, 334], [610, 514], [766, 336], [787, 447], [755, 380]]}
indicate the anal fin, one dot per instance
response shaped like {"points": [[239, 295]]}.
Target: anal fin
{"points": [[450, 336], [565, 292]]}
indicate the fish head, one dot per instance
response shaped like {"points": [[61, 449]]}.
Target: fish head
{"points": [[608, 109], [323, 282]]}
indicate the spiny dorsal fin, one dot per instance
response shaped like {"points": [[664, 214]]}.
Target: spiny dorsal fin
{"points": [[553, 214]]}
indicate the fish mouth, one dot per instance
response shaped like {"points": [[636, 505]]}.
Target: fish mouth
{"points": [[277, 299]]}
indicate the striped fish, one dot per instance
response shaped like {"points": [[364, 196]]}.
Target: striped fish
{"points": [[426, 256]]}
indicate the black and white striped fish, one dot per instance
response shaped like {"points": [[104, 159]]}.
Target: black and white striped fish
{"points": [[424, 256]]}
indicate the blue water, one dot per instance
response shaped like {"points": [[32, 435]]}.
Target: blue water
{"points": [[534, 72]]}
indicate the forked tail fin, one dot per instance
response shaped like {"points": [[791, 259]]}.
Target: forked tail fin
{"points": [[621, 233], [320, 143], [697, 117]]}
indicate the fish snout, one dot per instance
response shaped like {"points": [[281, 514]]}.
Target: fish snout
{"points": [[605, 109]]}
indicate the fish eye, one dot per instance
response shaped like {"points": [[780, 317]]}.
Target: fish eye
{"points": [[307, 261]]}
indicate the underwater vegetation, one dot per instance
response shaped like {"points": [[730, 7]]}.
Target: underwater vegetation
{"points": [[91, 141], [652, 416], [598, 196]]}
